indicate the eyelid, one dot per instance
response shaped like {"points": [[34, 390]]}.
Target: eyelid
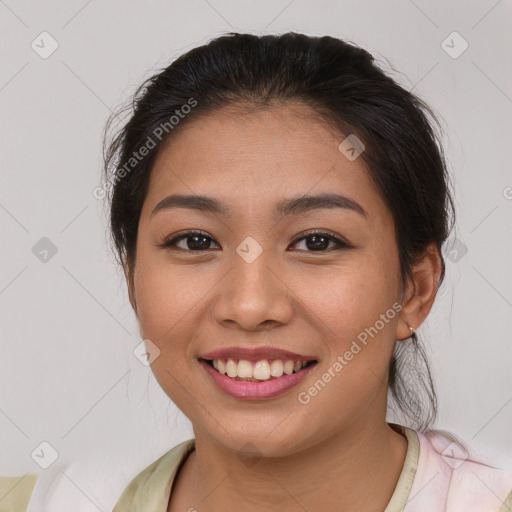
{"points": [[338, 240], [176, 237]]}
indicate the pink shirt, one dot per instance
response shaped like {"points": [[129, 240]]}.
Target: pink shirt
{"points": [[447, 479]]}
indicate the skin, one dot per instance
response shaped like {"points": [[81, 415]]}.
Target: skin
{"points": [[317, 456]]}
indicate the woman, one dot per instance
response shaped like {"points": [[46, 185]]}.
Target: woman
{"points": [[279, 207]]}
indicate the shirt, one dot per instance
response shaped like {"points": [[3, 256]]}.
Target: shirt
{"points": [[438, 475]]}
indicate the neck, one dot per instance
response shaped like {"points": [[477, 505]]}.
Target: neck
{"points": [[357, 469]]}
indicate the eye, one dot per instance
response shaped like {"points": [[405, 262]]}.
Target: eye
{"points": [[199, 241], [315, 241], [318, 240]]}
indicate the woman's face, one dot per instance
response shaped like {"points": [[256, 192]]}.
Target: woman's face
{"points": [[257, 280]]}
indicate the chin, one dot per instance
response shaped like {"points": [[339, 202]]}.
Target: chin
{"points": [[261, 441]]}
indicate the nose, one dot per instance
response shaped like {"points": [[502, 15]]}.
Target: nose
{"points": [[253, 296]]}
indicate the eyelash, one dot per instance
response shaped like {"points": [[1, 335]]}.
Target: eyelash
{"points": [[339, 243]]}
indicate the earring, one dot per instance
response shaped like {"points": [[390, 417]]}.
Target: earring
{"points": [[413, 335]]}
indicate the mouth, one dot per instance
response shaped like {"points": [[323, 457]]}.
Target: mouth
{"points": [[256, 374], [262, 370]]}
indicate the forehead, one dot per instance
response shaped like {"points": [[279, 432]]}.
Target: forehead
{"points": [[249, 158]]}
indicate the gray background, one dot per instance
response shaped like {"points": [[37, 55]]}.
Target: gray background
{"points": [[68, 375]]}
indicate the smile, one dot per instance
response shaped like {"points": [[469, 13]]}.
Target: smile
{"points": [[256, 380], [263, 370]]}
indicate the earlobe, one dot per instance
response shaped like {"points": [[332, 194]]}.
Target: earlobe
{"points": [[420, 292]]}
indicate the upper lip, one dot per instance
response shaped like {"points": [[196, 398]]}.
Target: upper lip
{"points": [[255, 354]]}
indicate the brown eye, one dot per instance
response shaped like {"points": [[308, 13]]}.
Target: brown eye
{"points": [[318, 241], [194, 241]]}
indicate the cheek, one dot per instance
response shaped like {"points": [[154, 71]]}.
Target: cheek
{"points": [[163, 299], [357, 311], [354, 298], [165, 305]]}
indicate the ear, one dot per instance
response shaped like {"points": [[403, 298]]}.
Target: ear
{"points": [[420, 292], [129, 282]]}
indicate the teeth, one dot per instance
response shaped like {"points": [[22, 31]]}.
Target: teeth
{"points": [[276, 368], [231, 368], [244, 369], [261, 370], [288, 367]]}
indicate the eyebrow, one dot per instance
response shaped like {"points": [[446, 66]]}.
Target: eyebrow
{"points": [[284, 208]]}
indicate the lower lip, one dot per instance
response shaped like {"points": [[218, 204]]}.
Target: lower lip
{"points": [[256, 390]]}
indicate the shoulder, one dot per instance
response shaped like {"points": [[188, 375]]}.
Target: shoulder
{"points": [[150, 489], [16, 491], [452, 473]]}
